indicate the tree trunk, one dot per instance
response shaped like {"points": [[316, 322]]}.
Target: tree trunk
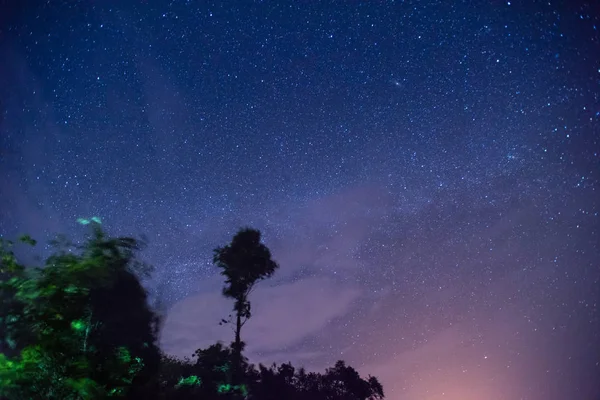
{"points": [[238, 328], [237, 347], [236, 370]]}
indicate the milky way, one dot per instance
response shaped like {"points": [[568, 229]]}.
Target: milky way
{"points": [[425, 172]]}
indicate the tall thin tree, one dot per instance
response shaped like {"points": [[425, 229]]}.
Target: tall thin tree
{"points": [[244, 262]]}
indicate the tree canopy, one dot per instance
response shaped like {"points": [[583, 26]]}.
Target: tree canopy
{"points": [[82, 323], [244, 262]]}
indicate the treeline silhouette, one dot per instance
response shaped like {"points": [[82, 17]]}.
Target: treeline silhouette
{"points": [[81, 328]]}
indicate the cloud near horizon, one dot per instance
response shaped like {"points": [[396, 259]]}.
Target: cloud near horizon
{"points": [[284, 315], [306, 294]]}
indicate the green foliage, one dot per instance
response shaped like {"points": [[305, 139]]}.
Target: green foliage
{"points": [[28, 240], [78, 325], [191, 380], [8, 261], [82, 321], [36, 374], [227, 388], [85, 388]]}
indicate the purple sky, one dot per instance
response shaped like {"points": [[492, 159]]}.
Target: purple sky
{"points": [[425, 172]]}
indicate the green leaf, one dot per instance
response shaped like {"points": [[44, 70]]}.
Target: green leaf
{"points": [[78, 325], [72, 289], [224, 388], [123, 355], [27, 240], [192, 380]]}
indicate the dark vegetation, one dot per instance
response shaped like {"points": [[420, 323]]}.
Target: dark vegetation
{"points": [[81, 328]]}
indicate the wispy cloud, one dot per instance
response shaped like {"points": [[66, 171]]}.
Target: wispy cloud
{"points": [[283, 316]]}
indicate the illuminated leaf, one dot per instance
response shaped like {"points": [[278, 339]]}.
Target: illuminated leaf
{"points": [[124, 355], [72, 289], [224, 388], [192, 380], [243, 389], [78, 325]]}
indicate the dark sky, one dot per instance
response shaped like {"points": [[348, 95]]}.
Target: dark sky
{"points": [[427, 174]]}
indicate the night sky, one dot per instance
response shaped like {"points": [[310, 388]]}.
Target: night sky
{"points": [[427, 174]]}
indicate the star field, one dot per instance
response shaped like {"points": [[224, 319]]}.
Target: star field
{"points": [[426, 173]]}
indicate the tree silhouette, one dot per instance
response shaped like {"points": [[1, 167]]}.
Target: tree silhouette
{"points": [[178, 380], [80, 328], [344, 382], [244, 262], [85, 325], [213, 365], [10, 273], [121, 311], [341, 382]]}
